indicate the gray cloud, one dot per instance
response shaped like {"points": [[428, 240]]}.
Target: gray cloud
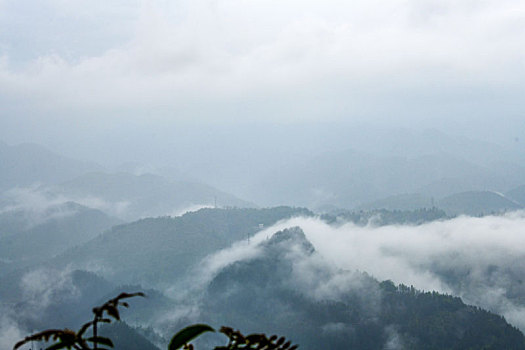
{"points": [[10, 332], [232, 54]]}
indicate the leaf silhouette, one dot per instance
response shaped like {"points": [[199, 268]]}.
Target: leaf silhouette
{"points": [[187, 334], [66, 336], [113, 311], [101, 340]]}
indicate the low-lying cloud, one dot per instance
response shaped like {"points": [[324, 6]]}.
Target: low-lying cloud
{"points": [[10, 332], [43, 287], [39, 288], [37, 205], [41, 204], [477, 259], [190, 209]]}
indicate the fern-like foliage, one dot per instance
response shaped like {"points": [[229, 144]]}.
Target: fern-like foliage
{"points": [[257, 341], [111, 306], [69, 339]]}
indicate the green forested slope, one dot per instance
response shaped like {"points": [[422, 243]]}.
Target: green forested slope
{"points": [[158, 250], [357, 312]]}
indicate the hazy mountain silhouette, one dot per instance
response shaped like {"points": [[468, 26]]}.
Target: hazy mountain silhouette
{"points": [[26, 164], [28, 238], [135, 196]]}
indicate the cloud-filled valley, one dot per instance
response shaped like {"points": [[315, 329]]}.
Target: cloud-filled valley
{"points": [[67, 242], [475, 258], [349, 175]]}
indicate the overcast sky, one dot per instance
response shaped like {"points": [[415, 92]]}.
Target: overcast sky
{"points": [[96, 65]]}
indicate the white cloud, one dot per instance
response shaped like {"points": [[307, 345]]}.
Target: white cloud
{"points": [[42, 287], [37, 205], [190, 209], [477, 259], [181, 56], [41, 204]]}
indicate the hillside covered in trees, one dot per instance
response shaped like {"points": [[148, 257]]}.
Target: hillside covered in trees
{"points": [[231, 267]]}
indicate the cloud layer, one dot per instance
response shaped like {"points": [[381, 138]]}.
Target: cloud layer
{"points": [[477, 259], [338, 58], [40, 204]]}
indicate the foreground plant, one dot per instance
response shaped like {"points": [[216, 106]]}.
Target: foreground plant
{"points": [[69, 339], [254, 341], [236, 340]]}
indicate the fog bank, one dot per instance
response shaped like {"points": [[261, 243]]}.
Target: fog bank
{"points": [[476, 259]]}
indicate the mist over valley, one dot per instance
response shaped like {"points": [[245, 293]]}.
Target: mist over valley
{"points": [[345, 175]]}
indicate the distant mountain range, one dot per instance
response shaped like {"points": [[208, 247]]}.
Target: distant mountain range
{"points": [[351, 179], [478, 203], [131, 196], [28, 164], [282, 285], [347, 166], [32, 169], [73, 234], [28, 237], [468, 203]]}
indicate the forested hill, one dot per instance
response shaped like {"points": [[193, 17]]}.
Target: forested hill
{"points": [[160, 250], [28, 238], [283, 286], [382, 217], [281, 291]]}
